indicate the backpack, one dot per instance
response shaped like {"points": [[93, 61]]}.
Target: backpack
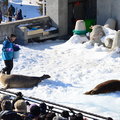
{"points": [[10, 115]]}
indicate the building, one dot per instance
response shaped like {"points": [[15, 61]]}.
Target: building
{"points": [[65, 12]]}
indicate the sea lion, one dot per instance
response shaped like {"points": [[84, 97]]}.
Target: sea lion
{"points": [[20, 81], [105, 87]]}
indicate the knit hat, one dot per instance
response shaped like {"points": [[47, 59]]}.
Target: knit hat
{"points": [[20, 106], [12, 35], [34, 110]]}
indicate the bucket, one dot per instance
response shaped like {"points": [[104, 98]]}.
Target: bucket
{"points": [[80, 28], [16, 55], [89, 23]]}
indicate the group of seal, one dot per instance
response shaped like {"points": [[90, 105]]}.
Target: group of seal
{"points": [[20, 81]]}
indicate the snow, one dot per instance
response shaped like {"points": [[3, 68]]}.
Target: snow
{"points": [[28, 10], [77, 39], [109, 33], [74, 69]]}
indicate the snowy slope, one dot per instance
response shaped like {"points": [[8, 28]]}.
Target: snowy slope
{"points": [[74, 69]]}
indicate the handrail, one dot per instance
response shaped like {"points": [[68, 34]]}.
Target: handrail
{"points": [[58, 107]]}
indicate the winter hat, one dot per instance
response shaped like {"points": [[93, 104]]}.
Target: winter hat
{"points": [[20, 106], [12, 35], [4, 97], [43, 108], [34, 110], [6, 105]]}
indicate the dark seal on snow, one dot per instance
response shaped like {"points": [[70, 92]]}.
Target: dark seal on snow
{"points": [[105, 87], [20, 81]]}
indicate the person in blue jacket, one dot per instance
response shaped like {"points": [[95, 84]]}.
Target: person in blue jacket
{"points": [[8, 53]]}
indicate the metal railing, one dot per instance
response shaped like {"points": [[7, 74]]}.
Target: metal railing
{"points": [[57, 108]]}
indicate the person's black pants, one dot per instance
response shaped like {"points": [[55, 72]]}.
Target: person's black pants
{"points": [[9, 19], [8, 66]]}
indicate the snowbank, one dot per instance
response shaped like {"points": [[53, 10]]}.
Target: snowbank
{"points": [[74, 69]]}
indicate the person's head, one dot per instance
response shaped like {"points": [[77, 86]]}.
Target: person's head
{"points": [[6, 105], [20, 106], [19, 94], [34, 111], [12, 37], [20, 11], [50, 116], [65, 114], [79, 116], [43, 108]]}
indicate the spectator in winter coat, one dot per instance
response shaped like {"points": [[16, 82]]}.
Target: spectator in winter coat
{"points": [[0, 16], [8, 53], [19, 15], [7, 113], [21, 109], [34, 112], [13, 10], [10, 14]]}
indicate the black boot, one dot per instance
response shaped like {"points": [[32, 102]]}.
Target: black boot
{"points": [[2, 71]]}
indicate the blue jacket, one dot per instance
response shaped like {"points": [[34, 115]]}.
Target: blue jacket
{"points": [[7, 50]]}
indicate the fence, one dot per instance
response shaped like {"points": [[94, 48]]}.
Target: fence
{"points": [[57, 108]]}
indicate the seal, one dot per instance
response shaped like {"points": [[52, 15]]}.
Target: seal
{"points": [[20, 81], [105, 87]]}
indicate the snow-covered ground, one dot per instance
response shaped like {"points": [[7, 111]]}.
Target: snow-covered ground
{"points": [[74, 69]]}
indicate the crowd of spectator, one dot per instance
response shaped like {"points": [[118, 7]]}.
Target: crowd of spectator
{"points": [[19, 109], [12, 13]]}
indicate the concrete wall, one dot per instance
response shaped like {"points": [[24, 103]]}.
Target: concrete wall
{"points": [[107, 9], [57, 10], [11, 27]]}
